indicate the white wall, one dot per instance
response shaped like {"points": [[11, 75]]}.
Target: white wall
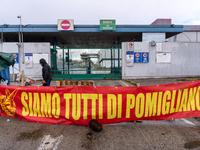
{"points": [[157, 37], [35, 48], [184, 61], [185, 37]]}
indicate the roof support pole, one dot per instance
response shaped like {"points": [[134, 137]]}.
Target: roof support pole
{"points": [[118, 57], [111, 61], [55, 53], [1, 41], [114, 58], [68, 61], [63, 60]]}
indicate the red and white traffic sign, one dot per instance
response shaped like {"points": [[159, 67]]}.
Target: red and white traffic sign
{"points": [[15, 55], [130, 44], [65, 24], [145, 55], [137, 55]]}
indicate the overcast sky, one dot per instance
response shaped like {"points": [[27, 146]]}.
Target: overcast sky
{"points": [[182, 12]]}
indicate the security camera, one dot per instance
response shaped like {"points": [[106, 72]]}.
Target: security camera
{"points": [[18, 16]]}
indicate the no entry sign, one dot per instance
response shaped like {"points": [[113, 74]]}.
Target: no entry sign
{"points": [[65, 24]]}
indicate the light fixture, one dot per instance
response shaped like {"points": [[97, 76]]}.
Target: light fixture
{"points": [[153, 43]]}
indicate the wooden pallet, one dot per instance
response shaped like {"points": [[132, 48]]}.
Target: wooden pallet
{"points": [[73, 83]]}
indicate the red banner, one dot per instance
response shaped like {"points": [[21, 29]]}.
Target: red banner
{"points": [[79, 105]]}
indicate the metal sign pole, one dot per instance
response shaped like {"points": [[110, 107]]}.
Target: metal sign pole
{"points": [[1, 41], [13, 74]]}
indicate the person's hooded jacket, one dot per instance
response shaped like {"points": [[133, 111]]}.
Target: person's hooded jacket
{"points": [[46, 70]]}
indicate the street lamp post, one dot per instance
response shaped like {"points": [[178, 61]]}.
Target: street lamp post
{"points": [[20, 30], [20, 44]]}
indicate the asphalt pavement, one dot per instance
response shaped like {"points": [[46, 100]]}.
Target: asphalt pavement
{"points": [[177, 134]]}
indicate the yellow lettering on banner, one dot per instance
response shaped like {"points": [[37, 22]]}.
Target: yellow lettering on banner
{"points": [[25, 110], [85, 98], [94, 99], [111, 101], [197, 99], [130, 104], [159, 103], [119, 115], [67, 97], [36, 105], [56, 105], [46, 105], [76, 107], [191, 102], [184, 101], [178, 100], [139, 109], [30, 103], [100, 106], [151, 103], [165, 105], [172, 109]]}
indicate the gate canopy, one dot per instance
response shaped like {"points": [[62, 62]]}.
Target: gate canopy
{"points": [[85, 36]]}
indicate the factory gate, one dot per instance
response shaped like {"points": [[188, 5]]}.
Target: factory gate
{"points": [[85, 64]]}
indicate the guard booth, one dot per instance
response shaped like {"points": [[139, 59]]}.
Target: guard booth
{"points": [[86, 63]]}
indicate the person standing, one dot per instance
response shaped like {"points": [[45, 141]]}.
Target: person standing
{"points": [[46, 72]]}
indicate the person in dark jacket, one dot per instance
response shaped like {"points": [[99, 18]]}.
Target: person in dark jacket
{"points": [[46, 72]]}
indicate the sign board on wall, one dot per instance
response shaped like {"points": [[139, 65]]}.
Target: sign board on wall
{"points": [[141, 57], [107, 25], [145, 57], [163, 57], [129, 58], [130, 46], [65, 24], [29, 60], [137, 57], [16, 57]]}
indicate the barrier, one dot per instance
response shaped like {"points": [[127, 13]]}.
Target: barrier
{"points": [[80, 104], [73, 83]]}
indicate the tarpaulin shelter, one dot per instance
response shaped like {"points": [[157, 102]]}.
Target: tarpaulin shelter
{"points": [[6, 60]]}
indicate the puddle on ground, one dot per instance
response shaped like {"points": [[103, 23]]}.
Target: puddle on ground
{"points": [[30, 135], [118, 85], [193, 144]]}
